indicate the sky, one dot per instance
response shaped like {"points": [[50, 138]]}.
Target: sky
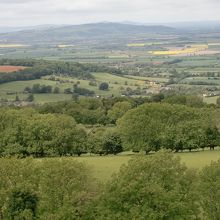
{"points": [[36, 12]]}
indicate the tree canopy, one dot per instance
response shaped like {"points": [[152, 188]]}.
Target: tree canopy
{"points": [[152, 126]]}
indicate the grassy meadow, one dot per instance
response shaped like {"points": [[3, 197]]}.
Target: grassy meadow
{"points": [[104, 167]]}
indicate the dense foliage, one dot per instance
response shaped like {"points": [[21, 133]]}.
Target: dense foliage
{"points": [[106, 126], [25, 133], [210, 190], [44, 189], [151, 127]]}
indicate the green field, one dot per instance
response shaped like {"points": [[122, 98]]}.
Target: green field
{"points": [[142, 78], [207, 80], [105, 166], [11, 89], [132, 55], [211, 100]]}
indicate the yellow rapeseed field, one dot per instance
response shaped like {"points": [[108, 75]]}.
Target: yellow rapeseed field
{"points": [[145, 44], [136, 45], [186, 50], [65, 45], [12, 45]]}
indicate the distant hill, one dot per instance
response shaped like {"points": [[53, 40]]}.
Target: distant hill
{"points": [[9, 29], [213, 26], [86, 31]]}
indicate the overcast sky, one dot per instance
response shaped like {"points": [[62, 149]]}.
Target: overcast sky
{"points": [[34, 12]]}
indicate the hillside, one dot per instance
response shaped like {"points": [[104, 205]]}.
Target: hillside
{"points": [[86, 31]]}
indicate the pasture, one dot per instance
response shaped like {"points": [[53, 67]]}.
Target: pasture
{"points": [[116, 85], [10, 90], [104, 167]]}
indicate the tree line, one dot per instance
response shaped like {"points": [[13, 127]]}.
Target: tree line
{"points": [[38, 68], [38, 88], [106, 126]]}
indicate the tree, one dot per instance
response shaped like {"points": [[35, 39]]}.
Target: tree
{"points": [[194, 101], [92, 83], [218, 101], [27, 90], [17, 99], [28, 133], [22, 205], [118, 110], [66, 187], [156, 187], [112, 143], [209, 189], [48, 135], [141, 127], [96, 140], [190, 100], [46, 189], [157, 98], [103, 86], [36, 88], [68, 91], [75, 97], [82, 91], [152, 126], [30, 98], [176, 99], [104, 141], [212, 137], [56, 90], [78, 143]]}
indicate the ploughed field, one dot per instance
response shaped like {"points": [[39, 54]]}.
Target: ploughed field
{"points": [[9, 69]]}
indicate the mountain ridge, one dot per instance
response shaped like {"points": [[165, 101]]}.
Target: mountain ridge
{"points": [[94, 30]]}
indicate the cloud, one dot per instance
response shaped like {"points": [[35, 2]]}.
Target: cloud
{"points": [[31, 12]]}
